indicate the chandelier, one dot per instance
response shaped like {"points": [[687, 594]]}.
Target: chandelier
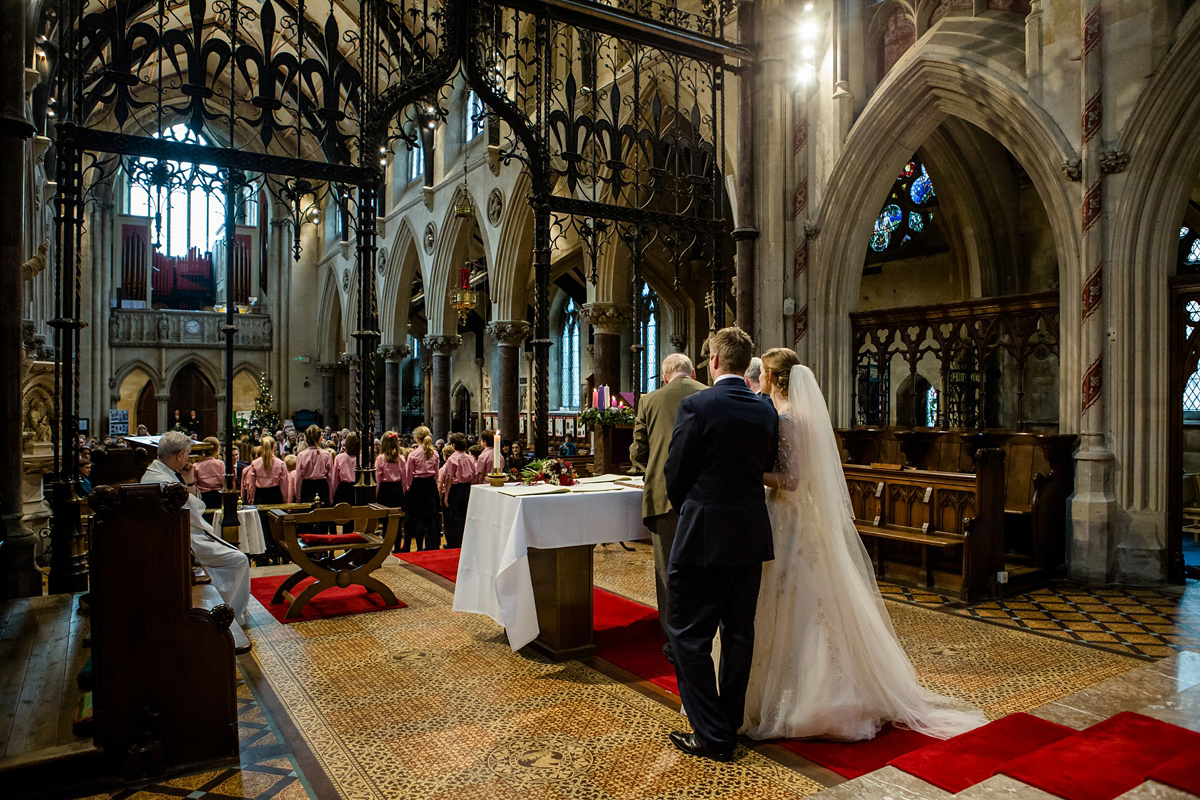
{"points": [[464, 299]]}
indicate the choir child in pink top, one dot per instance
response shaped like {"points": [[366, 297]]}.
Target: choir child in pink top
{"points": [[267, 481], [456, 478], [344, 468], [486, 458], [313, 476], [422, 492], [210, 474], [391, 471]]}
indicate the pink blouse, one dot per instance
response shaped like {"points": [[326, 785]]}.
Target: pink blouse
{"points": [[210, 474], [389, 472], [421, 467], [343, 471], [483, 464], [313, 464], [460, 468], [258, 477]]}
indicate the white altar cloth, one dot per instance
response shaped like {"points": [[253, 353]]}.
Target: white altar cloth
{"points": [[493, 568], [250, 531]]}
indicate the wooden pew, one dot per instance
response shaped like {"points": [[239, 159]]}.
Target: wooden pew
{"points": [[953, 523], [162, 651], [1039, 473]]}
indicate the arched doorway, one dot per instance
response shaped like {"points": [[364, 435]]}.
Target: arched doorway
{"points": [[147, 410], [191, 390], [136, 395], [461, 419]]}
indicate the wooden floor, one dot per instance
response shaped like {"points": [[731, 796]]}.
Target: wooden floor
{"points": [[40, 657]]}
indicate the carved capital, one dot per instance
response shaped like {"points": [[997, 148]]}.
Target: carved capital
{"points": [[606, 317], [394, 352], [510, 333], [1113, 161], [811, 230], [350, 359], [445, 345], [1072, 169]]}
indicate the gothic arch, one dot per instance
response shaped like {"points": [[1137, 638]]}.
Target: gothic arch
{"points": [[930, 84], [448, 257], [514, 253], [128, 367], [1162, 139], [206, 368], [395, 290], [333, 325]]}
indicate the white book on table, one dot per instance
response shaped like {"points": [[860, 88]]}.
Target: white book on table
{"points": [[527, 491], [608, 478], [597, 487]]}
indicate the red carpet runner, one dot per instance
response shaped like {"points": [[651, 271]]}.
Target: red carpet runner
{"points": [[333, 602], [1105, 760]]}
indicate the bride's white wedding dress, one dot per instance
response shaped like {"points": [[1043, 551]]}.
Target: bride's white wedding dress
{"points": [[826, 659]]}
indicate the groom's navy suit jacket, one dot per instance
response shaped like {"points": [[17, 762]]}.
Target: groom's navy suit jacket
{"points": [[725, 439]]}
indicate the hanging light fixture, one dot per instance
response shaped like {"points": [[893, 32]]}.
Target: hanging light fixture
{"points": [[463, 207], [464, 299]]}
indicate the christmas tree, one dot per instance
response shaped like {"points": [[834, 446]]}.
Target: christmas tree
{"points": [[264, 414]]}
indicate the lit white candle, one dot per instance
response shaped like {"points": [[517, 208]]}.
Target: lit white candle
{"points": [[496, 458]]}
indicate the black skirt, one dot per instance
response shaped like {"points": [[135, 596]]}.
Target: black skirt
{"points": [[268, 495], [423, 497], [391, 494], [344, 494], [311, 487]]}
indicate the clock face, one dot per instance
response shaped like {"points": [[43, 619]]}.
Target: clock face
{"points": [[192, 326]]}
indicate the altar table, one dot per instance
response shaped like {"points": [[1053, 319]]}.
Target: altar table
{"points": [[526, 562], [250, 532]]}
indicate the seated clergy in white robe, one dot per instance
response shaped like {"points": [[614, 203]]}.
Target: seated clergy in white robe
{"points": [[228, 566]]}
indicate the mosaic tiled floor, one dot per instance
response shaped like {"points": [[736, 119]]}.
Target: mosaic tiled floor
{"points": [[1147, 623], [267, 768]]}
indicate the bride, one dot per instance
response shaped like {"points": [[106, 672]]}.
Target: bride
{"points": [[826, 659]]}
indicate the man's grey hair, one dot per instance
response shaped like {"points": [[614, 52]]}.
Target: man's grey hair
{"points": [[172, 443], [676, 364], [754, 371]]}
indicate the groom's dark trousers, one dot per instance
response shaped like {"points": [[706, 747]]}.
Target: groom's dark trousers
{"points": [[725, 438]]}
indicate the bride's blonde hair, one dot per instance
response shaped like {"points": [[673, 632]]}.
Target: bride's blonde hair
{"points": [[778, 361]]}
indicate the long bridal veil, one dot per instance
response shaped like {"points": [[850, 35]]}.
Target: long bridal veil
{"points": [[826, 658]]}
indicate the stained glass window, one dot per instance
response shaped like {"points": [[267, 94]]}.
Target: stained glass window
{"points": [[922, 187], [1194, 254], [649, 365], [887, 222], [1183, 231], [907, 211], [931, 407], [416, 163], [570, 357]]}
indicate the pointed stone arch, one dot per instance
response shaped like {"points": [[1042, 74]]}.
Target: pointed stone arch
{"points": [[925, 88]]}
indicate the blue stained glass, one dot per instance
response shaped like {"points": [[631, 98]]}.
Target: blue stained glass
{"points": [[931, 407], [1194, 256], [922, 187], [906, 239], [887, 222], [915, 222], [1183, 231]]}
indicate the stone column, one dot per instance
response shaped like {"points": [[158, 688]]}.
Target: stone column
{"points": [[350, 361], [529, 362], [426, 388], [392, 355], [1093, 556], [609, 321], [506, 383], [328, 392], [440, 348], [164, 415], [16, 543]]}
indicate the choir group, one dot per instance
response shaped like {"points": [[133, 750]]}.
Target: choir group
{"points": [[430, 482]]}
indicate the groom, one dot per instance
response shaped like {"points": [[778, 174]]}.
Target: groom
{"points": [[725, 439]]}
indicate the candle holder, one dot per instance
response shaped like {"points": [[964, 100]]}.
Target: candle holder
{"points": [[497, 479]]}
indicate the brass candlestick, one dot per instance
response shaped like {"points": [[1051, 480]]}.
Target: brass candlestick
{"points": [[497, 479]]}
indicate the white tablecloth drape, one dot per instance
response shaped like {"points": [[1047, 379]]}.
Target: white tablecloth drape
{"points": [[493, 569], [250, 530]]}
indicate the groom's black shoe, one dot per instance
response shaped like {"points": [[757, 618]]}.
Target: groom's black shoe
{"points": [[690, 744]]}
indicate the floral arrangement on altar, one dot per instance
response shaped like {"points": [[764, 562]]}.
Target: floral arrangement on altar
{"points": [[613, 415], [548, 470]]}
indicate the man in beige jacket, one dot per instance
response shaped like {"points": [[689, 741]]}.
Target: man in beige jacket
{"points": [[651, 439]]}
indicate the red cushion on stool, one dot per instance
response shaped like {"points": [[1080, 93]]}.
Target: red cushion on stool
{"points": [[332, 538]]}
